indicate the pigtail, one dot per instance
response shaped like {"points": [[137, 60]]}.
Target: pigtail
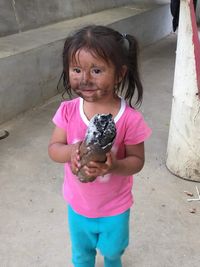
{"points": [[132, 79]]}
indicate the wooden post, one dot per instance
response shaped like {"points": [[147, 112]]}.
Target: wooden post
{"points": [[183, 151]]}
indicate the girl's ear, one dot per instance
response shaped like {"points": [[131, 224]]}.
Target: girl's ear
{"points": [[122, 74]]}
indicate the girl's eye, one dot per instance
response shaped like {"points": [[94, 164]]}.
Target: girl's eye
{"points": [[96, 71], [76, 70]]}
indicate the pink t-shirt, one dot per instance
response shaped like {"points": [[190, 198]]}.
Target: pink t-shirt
{"points": [[109, 195]]}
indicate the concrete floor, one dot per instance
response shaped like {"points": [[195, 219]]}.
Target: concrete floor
{"points": [[33, 220]]}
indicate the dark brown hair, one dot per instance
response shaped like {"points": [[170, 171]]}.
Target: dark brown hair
{"points": [[111, 46]]}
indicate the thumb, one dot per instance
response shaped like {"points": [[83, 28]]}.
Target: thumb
{"points": [[108, 159]]}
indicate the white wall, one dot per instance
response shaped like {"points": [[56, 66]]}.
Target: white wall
{"points": [[183, 152]]}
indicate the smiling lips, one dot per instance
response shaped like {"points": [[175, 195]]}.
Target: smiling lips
{"points": [[86, 89], [83, 90]]}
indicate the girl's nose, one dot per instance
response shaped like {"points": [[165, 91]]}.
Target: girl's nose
{"points": [[85, 77]]}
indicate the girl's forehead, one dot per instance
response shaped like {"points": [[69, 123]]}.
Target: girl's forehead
{"points": [[87, 55]]}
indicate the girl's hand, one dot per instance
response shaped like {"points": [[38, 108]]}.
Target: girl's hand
{"points": [[94, 169], [75, 158], [131, 164]]}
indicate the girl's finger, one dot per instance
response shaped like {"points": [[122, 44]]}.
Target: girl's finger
{"points": [[90, 170]]}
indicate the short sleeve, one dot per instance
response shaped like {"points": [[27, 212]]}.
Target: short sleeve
{"points": [[60, 117], [137, 129]]}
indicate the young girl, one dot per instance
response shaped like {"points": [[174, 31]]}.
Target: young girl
{"points": [[99, 63]]}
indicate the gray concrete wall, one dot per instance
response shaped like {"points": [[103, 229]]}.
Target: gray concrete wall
{"points": [[148, 27], [153, 1], [198, 12], [28, 79], [22, 15], [31, 63]]}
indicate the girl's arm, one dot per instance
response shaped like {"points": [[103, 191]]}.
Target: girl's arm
{"points": [[58, 148], [132, 163]]}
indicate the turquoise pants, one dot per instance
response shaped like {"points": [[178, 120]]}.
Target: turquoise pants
{"points": [[110, 235]]}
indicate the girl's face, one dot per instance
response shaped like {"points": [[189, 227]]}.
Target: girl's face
{"points": [[91, 77]]}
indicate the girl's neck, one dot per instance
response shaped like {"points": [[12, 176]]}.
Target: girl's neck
{"points": [[92, 108]]}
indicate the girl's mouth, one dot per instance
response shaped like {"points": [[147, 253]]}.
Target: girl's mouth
{"points": [[86, 90]]}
